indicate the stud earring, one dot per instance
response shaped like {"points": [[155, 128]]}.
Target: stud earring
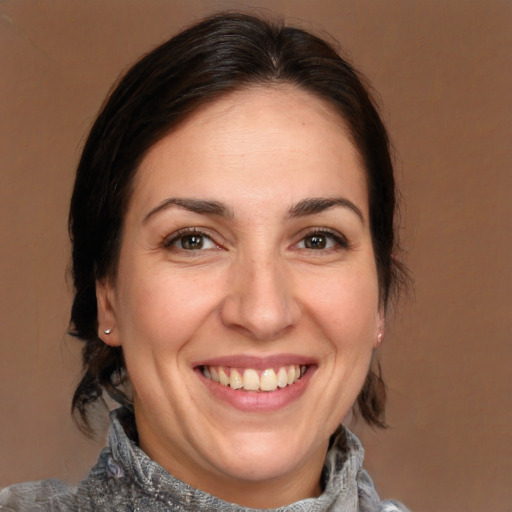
{"points": [[380, 337], [108, 331]]}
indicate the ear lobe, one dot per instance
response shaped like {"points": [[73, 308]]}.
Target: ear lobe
{"points": [[381, 327], [107, 320]]}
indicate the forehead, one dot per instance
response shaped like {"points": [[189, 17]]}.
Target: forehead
{"points": [[253, 143]]}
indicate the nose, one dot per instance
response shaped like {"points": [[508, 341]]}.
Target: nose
{"points": [[260, 301]]}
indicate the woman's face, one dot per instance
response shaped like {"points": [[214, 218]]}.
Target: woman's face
{"points": [[246, 262]]}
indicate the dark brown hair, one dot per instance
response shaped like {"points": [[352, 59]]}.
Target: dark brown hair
{"points": [[216, 56]]}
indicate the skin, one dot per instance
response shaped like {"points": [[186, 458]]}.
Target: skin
{"points": [[255, 288]]}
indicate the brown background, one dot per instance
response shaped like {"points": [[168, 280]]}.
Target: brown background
{"points": [[444, 74]]}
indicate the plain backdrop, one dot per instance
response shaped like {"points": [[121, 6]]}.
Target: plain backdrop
{"points": [[443, 72]]}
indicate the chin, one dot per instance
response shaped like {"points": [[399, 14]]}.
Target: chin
{"points": [[263, 457]]}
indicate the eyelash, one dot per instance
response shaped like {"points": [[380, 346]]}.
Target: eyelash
{"points": [[340, 241]]}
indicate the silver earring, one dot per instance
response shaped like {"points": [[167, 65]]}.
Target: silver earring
{"points": [[108, 331], [380, 337]]}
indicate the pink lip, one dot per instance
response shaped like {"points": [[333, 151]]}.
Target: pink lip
{"points": [[262, 401], [257, 363]]}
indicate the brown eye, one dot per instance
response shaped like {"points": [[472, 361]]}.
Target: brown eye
{"points": [[323, 240], [317, 241], [191, 242]]}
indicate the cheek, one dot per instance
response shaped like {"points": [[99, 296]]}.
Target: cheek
{"points": [[346, 306], [345, 311], [159, 310]]}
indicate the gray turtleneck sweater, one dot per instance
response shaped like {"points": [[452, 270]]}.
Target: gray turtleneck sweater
{"points": [[126, 479]]}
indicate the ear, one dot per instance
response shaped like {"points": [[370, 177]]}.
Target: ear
{"points": [[108, 330], [380, 327]]}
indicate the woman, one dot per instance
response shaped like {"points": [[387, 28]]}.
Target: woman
{"points": [[232, 230]]}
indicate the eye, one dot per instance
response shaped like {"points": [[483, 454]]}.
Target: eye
{"points": [[190, 241], [322, 240]]}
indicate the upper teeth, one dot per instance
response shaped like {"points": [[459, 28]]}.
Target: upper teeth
{"points": [[253, 380]]}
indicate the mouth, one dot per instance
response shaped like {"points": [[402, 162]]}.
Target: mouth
{"points": [[264, 380]]}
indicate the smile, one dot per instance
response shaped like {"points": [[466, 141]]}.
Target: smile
{"points": [[249, 379]]}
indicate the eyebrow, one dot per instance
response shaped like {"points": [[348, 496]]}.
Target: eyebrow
{"points": [[309, 206], [201, 206], [313, 205]]}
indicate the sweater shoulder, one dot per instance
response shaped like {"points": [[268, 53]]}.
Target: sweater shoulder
{"points": [[44, 495], [369, 500], [393, 506]]}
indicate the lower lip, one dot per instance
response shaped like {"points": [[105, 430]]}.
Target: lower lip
{"points": [[262, 401]]}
